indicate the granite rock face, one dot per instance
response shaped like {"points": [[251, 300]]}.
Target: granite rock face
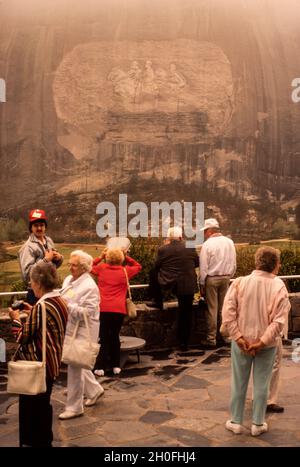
{"points": [[101, 94]]}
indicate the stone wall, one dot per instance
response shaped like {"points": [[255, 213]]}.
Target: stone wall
{"points": [[159, 328], [294, 318]]}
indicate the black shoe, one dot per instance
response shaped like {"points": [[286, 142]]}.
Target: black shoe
{"points": [[183, 347], [274, 408], [287, 342], [222, 343], [207, 346]]}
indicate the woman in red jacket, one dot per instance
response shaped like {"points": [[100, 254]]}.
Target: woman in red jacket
{"points": [[112, 285]]}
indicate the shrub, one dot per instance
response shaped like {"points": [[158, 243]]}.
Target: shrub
{"points": [[290, 264], [143, 250], [18, 286], [283, 228], [245, 261], [13, 230]]}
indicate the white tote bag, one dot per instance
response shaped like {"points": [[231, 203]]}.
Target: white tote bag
{"points": [[29, 377], [80, 352]]}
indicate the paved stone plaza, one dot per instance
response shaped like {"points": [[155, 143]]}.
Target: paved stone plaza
{"points": [[169, 399]]}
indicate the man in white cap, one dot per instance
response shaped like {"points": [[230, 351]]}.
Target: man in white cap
{"points": [[217, 266], [174, 270]]}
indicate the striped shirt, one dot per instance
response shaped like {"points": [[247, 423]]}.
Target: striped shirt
{"points": [[29, 334]]}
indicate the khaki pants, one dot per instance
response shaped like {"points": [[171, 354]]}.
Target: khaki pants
{"points": [[274, 383], [215, 291]]}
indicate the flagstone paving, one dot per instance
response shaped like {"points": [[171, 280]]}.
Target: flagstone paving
{"points": [[169, 399]]}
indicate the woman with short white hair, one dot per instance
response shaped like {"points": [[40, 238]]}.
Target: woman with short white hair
{"points": [[82, 296], [254, 312]]}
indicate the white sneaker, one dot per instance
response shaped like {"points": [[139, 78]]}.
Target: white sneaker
{"points": [[93, 400], [257, 430], [68, 414], [99, 372], [116, 370], [234, 427]]}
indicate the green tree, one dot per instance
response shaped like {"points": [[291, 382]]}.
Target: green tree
{"points": [[297, 212], [282, 228], [13, 230]]}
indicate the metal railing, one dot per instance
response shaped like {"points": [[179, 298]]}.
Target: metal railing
{"points": [[24, 292], [133, 286]]}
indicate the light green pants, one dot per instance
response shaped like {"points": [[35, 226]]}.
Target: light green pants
{"points": [[241, 364]]}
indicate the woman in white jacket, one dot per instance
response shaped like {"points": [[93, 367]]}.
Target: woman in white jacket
{"points": [[82, 296]]}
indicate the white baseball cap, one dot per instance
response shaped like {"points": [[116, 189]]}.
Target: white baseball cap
{"points": [[210, 224]]}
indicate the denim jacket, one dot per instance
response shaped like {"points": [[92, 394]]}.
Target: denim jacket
{"points": [[32, 252]]}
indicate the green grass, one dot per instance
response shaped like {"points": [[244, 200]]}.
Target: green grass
{"points": [[10, 270]]}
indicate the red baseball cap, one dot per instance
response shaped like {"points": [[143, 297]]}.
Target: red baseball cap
{"points": [[36, 215]]}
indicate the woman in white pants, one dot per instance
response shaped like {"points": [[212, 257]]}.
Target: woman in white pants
{"points": [[82, 296]]}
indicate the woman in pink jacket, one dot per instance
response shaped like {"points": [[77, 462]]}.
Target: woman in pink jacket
{"points": [[254, 312], [112, 285]]}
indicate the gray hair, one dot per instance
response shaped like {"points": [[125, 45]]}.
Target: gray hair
{"points": [[267, 258], [84, 259], [174, 232], [45, 275]]}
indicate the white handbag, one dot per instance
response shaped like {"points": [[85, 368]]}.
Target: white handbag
{"points": [[29, 377], [80, 352]]}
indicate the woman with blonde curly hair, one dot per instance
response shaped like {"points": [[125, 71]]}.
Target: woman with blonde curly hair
{"points": [[112, 285]]}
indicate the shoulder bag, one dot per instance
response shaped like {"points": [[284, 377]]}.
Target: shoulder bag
{"points": [[81, 352], [130, 306], [29, 377]]}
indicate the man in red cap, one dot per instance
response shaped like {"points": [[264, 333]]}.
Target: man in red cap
{"points": [[38, 247]]}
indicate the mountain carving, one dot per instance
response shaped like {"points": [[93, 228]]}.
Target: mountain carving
{"points": [[181, 93]]}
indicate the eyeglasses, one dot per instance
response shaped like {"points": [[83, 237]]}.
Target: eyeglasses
{"points": [[73, 265]]}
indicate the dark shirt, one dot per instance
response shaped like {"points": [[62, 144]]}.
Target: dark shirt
{"points": [[176, 265]]}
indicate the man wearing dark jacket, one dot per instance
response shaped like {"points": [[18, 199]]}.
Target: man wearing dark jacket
{"points": [[174, 269]]}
